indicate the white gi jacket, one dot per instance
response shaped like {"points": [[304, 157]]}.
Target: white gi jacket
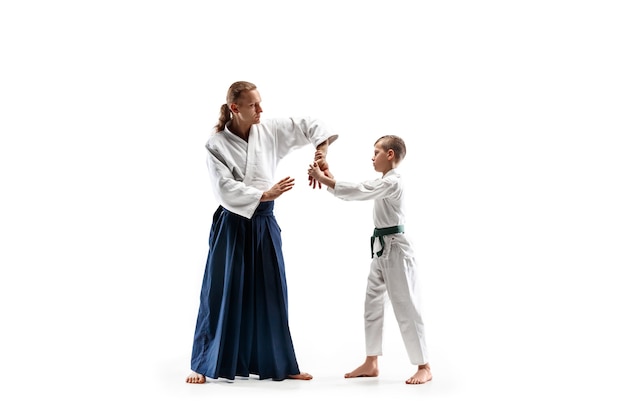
{"points": [[241, 171], [387, 193]]}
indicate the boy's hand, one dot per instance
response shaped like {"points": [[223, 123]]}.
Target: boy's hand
{"points": [[313, 182], [315, 172], [320, 162], [321, 177]]}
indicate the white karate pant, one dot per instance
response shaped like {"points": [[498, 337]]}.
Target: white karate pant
{"points": [[393, 276]]}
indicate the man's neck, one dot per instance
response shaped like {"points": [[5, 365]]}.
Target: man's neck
{"points": [[241, 131]]}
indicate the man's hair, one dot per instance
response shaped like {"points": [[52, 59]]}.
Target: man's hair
{"points": [[234, 91]]}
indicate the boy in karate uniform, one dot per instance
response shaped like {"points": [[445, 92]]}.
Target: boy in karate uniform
{"points": [[393, 266]]}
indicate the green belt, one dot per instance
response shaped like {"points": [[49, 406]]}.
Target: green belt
{"points": [[379, 233]]}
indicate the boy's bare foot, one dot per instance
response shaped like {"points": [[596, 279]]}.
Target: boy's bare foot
{"points": [[422, 376], [301, 375], [196, 378], [369, 368]]}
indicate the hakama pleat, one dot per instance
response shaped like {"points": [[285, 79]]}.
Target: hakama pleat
{"points": [[242, 326]]}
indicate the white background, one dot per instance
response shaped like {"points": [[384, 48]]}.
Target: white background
{"points": [[514, 118]]}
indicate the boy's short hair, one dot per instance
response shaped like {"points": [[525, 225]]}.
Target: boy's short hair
{"points": [[393, 142]]}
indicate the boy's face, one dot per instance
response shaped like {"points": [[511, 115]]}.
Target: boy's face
{"points": [[382, 159]]}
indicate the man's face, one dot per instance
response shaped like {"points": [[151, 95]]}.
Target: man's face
{"points": [[248, 107]]}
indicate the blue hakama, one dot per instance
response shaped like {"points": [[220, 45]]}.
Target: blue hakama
{"points": [[242, 326]]}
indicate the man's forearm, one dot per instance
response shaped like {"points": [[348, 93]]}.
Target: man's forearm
{"points": [[323, 147]]}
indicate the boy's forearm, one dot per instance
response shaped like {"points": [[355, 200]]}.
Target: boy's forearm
{"points": [[328, 181]]}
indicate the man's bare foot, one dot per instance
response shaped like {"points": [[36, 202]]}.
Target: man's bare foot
{"points": [[422, 376], [369, 368], [301, 375], [196, 378]]}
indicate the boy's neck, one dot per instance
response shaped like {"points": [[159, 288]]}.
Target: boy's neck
{"points": [[391, 168]]}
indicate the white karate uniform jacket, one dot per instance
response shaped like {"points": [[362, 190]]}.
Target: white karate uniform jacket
{"points": [[241, 171]]}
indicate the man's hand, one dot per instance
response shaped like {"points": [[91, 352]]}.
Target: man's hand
{"points": [[278, 189]]}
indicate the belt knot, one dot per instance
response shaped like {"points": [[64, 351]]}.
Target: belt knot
{"points": [[379, 233]]}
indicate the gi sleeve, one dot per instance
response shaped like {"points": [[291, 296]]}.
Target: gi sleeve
{"points": [[292, 133], [229, 189], [367, 190]]}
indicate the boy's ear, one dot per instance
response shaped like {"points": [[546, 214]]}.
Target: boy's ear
{"points": [[391, 155]]}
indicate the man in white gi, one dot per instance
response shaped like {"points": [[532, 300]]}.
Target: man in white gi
{"points": [[242, 326], [393, 267]]}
